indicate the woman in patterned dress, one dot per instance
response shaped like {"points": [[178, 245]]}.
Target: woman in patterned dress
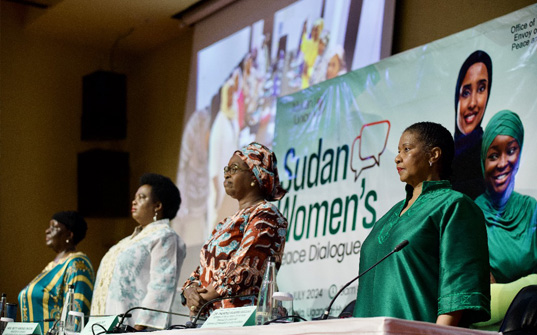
{"points": [[232, 261], [42, 300]]}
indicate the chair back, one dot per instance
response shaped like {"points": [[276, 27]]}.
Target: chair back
{"points": [[521, 317]]}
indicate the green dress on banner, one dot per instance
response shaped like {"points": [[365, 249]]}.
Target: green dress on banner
{"points": [[513, 226], [443, 269]]}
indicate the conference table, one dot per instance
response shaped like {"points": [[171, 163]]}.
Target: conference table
{"points": [[360, 326]]}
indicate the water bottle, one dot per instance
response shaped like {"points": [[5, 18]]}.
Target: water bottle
{"points": [[68, 305], [265, 301], [3, 320], [3, 305]]}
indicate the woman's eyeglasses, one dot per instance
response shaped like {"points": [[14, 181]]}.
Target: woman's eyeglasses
{"points": [[232, 169]]}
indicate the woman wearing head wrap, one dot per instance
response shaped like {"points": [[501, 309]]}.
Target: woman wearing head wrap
{"points": [[472, 93], [309, 46], [336, 63], [42, 300], [232, 261], [511, 217], [318, 72], [142, 269]]}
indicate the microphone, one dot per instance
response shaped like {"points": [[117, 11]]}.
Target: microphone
{"points": [[208, 303], [52, 330], [396, 249], [119, 328]]}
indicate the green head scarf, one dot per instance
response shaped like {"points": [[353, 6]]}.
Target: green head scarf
{"points": [[504, 122]]}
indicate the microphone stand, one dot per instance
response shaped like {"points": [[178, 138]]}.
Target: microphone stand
{"points": [[396, 249], [204, 306], [52, 329]]}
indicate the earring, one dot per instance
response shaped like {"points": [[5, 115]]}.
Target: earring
{"points": [[430, 163], [252, 184], [67, 241], [155, 217]]}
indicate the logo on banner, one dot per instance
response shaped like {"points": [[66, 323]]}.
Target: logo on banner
{"points": [[367, 156], [329, 217]]}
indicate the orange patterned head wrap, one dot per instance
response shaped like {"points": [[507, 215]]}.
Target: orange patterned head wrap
{"points": [[262, 162]]}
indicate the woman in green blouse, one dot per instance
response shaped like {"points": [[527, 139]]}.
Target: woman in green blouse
{"points": [[442, 276]]}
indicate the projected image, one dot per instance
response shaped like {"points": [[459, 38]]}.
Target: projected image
{"points": [[240, 77]]}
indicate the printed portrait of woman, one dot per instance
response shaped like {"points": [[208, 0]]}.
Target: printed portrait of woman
{"points": [[511, 217], [472, 93]]}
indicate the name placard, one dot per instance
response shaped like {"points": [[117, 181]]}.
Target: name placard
{"points": [[231, 317], [106, 323], [22, 328]]}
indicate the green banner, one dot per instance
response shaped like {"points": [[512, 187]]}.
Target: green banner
{"points": [[336, 143]]}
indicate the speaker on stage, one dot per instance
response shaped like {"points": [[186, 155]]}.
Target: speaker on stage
{"points": [[103, 183], [104, 106]]}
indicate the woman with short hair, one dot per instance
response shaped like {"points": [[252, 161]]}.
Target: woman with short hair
{"points": [[142, 270], [43, 299], [442, 275]]}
